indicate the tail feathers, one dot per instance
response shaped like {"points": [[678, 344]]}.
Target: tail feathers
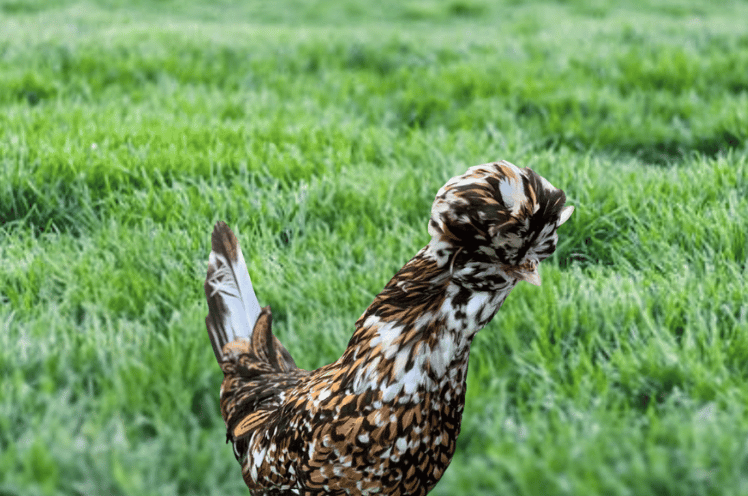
{"points": [[234, 314], [232, 303], [266, 346]]}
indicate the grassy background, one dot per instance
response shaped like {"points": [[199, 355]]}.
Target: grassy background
{"points": [[320, 131]]}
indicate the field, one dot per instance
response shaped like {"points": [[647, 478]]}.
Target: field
{"points": [[320, 131]]}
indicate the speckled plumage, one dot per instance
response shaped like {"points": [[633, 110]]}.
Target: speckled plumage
{"points": [[384, 418]]}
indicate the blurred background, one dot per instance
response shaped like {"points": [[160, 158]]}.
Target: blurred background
{"points": [[321, 131]]}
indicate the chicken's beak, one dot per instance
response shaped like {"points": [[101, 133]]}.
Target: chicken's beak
{"points": [[530, 276], [528, 271]]}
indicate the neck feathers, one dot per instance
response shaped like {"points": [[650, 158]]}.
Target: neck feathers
{"points": [[421, 325]]}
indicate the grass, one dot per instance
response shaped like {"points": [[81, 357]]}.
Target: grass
{"points": [[321, 131]]}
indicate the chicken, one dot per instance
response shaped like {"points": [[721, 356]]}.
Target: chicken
{"points": [[384, 417]]}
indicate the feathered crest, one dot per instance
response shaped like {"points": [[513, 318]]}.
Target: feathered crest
{"points": [[471, 210]]}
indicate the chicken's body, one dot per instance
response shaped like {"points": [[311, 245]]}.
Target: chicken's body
{"points": [[384, 418]]}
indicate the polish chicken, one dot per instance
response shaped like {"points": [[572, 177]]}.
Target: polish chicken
{"points": [[384, 417]]}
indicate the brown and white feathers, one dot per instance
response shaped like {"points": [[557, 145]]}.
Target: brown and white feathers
{"points": [[384, 417]]}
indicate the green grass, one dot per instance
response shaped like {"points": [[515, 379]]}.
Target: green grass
{"points": [[320, 131]]}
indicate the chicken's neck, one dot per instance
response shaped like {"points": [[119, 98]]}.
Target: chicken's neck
{"points": [[417, 332]]}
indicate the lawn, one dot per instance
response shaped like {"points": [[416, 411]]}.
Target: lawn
{"points": [[321, 131]]}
